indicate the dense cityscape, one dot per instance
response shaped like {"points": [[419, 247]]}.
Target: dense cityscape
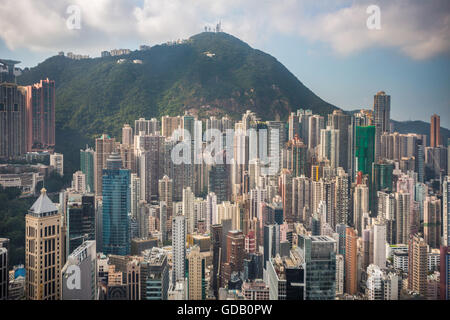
{"points": [[336, 206]]}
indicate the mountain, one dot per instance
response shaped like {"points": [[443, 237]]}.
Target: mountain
{"points": [[210, 73]]}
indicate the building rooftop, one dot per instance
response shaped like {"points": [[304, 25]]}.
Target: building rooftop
{"points": [[43, 205]]}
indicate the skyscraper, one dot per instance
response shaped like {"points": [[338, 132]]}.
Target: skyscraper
{"points": [[351, 264], [196, 266], [41, 115], [435, 131], [381, 114], [13, 122], [43, 250], [178, 247], [365, 148], [320, 258], [432, 221], [116, 206], [341, 121], [417, 265], [446, 210], [104, 146], [329, 146], [87, 167], [84, 287]]}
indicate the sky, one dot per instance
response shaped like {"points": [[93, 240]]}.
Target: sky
{"points": [[341, 49]]}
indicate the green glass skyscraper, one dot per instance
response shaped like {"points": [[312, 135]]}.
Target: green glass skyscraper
{"points": [[116, 205], [87, 167], [365, 148]]}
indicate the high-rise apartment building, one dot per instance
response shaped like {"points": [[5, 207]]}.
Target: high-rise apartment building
{"points": [[417, 265], [41, 115], [13, 121], [178, 247], [104, 146], [351, 261], [432, 221]]}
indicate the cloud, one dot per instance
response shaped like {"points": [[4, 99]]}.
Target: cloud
{"points": [[418, 29]]}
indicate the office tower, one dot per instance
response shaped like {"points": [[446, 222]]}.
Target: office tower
{"points": [[286, 277], [329, 146], [435, 131], [271, 242], [274, 213], [40, 105], [381, 114], [403, 215], [379, 244], [360, 206], [446, 210], [319, 255], [104, 146], [142, 218], [87, 167], [294, 126], [169, 125], [4, 277], [116, 206], [419, 159], [43, 239], [188, 210], [196, 266], [285, 186], [218, 181], [341, 121], [316, 123], [235, 242], [151, 165], [79, 274], [178, 246], [432, 221], [342, 197], [79, 182], [445, 272], [351, 264], [296, 157], [57, 162], [13, 121], [216, 242], [154, 281], [79, 221], [365, 148], [417, 265]]}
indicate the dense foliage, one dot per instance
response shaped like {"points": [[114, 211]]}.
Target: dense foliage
{"points": [[12, 222]]}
